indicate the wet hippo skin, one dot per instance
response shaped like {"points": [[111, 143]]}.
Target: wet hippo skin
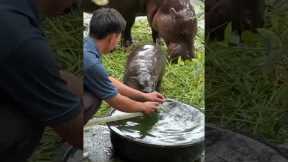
{"points": [[173, 20], [145, 68]]}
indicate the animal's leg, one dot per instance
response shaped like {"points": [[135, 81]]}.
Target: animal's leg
{"points": [[127, 38], [155, 36]]}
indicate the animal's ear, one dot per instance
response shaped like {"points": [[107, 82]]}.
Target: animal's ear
{"points": [[173, 12]]}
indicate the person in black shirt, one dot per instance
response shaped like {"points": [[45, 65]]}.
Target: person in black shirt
{"points": [[32, 93]]}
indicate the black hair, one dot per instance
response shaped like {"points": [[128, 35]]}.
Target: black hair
{"points": [[106, 21]]}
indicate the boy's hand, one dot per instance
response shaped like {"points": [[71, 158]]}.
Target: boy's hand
{"points": [[149, 107], [154, 97]]}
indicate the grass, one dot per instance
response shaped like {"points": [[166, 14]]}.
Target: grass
{"points": [[65, 37], [246, 87]]}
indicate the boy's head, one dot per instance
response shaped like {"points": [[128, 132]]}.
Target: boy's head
{"points": [[106, 25]]}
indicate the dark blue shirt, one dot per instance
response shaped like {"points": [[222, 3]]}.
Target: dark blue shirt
{"points": [[29, 78], [96, 80]]}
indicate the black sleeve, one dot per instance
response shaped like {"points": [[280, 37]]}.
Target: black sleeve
{"points": [[31, 78]]}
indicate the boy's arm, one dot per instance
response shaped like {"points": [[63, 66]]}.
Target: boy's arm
{"points": [[128, 91], [115, 93], [126, 104]]}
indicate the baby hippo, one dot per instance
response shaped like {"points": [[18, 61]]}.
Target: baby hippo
{"points": [[145, 68]]}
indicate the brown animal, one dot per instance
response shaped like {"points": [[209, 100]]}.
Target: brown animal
{"points": [[173, 20], [176, 23], [243, 15], [145, 68]]}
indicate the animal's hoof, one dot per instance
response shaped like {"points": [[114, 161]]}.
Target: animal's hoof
{"points": [[174, 60]]}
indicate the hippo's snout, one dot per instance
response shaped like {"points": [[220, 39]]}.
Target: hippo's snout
{"points": [[177, 50]]}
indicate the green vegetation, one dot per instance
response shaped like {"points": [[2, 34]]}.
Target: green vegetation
{"points": [[65, 37], [246, 86]]}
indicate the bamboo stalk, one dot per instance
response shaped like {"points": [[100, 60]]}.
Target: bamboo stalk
{"points": [[113, 118]]}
